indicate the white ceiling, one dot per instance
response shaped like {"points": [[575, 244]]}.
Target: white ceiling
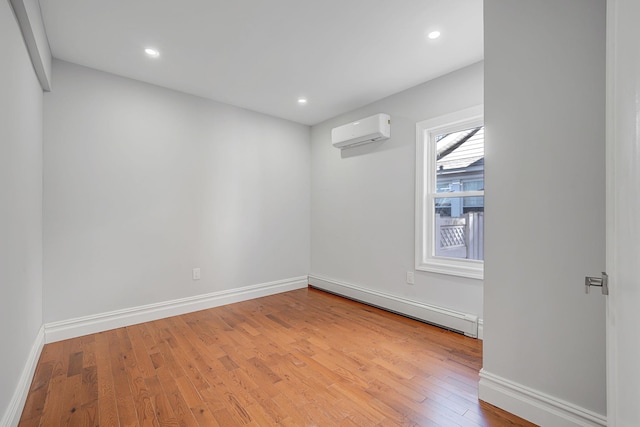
{"points": [[265, 54]]}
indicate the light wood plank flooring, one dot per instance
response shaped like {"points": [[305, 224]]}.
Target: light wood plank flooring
{"points": [[302, 358]]}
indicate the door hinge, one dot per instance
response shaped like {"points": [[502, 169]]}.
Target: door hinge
{"points": [[602, 282]]}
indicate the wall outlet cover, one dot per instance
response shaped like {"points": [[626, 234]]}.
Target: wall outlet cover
{"points": [[411, 279]]}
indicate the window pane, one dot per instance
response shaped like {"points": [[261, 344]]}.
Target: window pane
{"points": [[460, 161], [459, 227]]}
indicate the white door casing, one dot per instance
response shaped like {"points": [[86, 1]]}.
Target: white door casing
{"points": [[623, 207]]}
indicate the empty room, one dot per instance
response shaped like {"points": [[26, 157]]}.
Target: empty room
{"points": [[319, 213]]}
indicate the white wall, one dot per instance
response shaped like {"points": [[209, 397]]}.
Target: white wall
{"points": [[362, 199], [142, 184], [20, 206], [544, 116]]}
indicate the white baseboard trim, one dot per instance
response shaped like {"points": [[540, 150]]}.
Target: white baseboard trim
{"points": [[57, 331], [12, 415], [533, 405], [481, 329], [450, 319]]}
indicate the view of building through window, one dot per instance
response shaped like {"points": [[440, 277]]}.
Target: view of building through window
{"points": [[459, 220]]}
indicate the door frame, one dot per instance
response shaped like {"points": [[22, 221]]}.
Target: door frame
{"points": [[623, 204]]}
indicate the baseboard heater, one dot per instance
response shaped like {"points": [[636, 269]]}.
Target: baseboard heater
{"points": [[463, 323]]}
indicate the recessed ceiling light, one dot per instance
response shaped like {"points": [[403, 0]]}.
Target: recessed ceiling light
{"points": [[152, 52], [302, 101], [434, 35]]}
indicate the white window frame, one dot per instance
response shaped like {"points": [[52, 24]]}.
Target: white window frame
{"points": [[426, 131]]}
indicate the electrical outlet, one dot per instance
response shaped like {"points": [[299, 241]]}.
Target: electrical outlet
{"points": [[196, 274], [411, 278]]}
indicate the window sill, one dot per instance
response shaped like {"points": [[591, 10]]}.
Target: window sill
{"points": [[453, 267]]}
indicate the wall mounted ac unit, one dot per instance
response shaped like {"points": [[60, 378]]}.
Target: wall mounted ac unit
{"points": [[363, 131]]}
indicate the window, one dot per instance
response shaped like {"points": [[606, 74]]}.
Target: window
{"points": [[450, 194]]}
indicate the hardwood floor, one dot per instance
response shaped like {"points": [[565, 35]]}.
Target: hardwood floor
{"points": [[302, 358]]}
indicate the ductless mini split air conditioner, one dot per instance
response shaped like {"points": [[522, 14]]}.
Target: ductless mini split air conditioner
{"points": [[363, 131]]}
